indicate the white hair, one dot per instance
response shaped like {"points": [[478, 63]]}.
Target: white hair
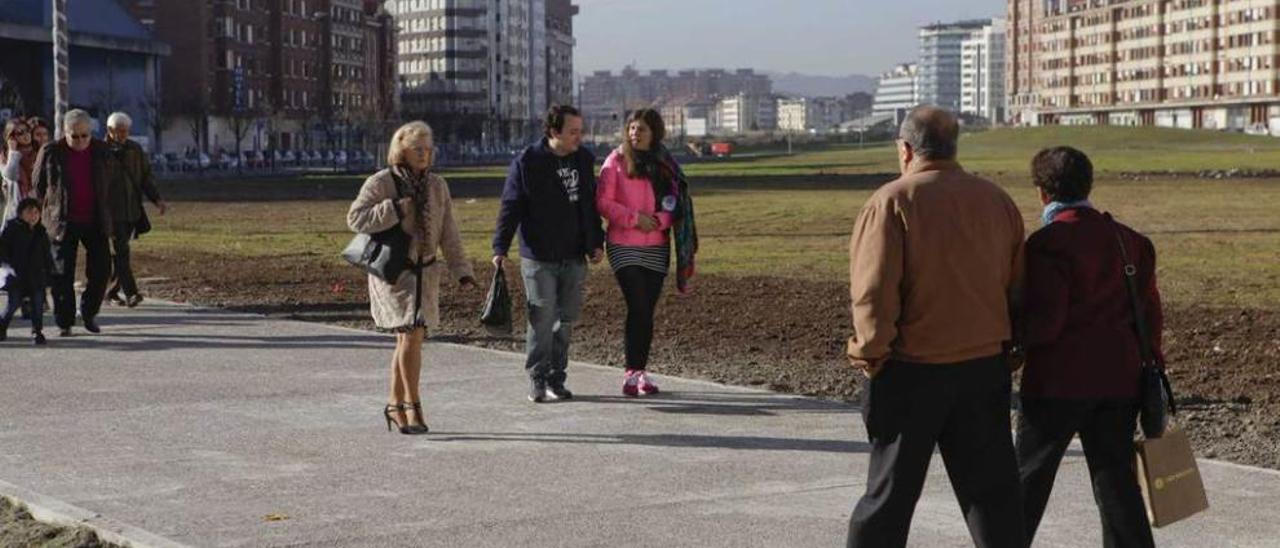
{"points": [[75, 117], [119, 120]]}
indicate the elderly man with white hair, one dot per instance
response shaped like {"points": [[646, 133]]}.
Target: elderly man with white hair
{"points": [[73, 178], [131, 180]]}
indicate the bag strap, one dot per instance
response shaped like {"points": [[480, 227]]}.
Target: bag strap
{"points": [[395, 182], [1139, 315]]}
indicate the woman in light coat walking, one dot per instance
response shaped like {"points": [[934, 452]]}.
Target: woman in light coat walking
{"points": [[408, 195]]}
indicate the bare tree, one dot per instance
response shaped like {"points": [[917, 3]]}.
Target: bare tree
{"points": [[196, 110], [151, 106], [240, 122]]}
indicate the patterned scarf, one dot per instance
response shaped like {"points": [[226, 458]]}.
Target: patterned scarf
{"points": [[414, 185], [684, 229]]}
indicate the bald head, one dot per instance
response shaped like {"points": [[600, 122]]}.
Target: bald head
{"points": [[931, 133]]}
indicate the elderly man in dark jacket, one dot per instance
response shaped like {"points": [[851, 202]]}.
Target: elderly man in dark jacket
{"points": [[73, 178], [131, 180]]}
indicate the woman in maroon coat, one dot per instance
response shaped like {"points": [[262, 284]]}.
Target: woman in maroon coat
{"points": [[1082, 372]]}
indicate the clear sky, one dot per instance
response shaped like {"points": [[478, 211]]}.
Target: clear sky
{"points": [[821, 37]]}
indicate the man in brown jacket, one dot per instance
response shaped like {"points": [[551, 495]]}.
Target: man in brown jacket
{"points": [[72, 177], [934, 268]]}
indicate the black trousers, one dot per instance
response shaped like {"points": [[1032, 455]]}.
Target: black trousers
{"points": [[122, 279], [641, 289], [963, 410], [97, 271], [1106, 428]]}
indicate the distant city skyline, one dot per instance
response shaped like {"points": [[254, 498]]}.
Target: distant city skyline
{"points": [[826, 37]]}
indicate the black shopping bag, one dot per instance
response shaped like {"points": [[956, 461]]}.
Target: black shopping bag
{"points": [[496, 316]]}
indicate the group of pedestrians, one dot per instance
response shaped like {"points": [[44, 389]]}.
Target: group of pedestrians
{"points": [[948, 300], [554, 201], [62, 195], [946, 290]]}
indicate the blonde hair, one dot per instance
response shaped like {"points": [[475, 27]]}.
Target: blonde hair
{"points": [[401, 139]]}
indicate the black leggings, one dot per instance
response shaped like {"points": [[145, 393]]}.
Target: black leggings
{"points": [[641, 288]]}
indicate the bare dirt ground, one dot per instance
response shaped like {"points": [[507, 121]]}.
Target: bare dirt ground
{"points": [[18, 528], [780, 334]]}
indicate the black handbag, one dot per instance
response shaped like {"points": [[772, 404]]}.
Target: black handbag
{"points": [[1156, 394], [143, 225], [496, 315], [383, 254]]}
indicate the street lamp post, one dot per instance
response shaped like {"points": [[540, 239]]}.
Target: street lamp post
{"points": [[61, 70]]}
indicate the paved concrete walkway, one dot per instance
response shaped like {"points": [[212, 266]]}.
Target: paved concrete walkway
{"points": [[207, 428]]}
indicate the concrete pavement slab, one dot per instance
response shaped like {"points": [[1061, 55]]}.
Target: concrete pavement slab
{"points": [[211, 428]]}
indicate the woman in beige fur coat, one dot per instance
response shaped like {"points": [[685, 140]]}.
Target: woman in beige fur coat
{"points": [[421, 206]]}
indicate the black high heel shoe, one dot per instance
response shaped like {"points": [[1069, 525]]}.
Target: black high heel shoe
{"points": [[416, 406], [408, 429]]}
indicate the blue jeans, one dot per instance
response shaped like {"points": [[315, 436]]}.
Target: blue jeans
{"points": [[553, 295], [16, 296]]}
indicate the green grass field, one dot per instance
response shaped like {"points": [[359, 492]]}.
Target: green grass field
{"points": [[1009, 151], [1218, 241]]}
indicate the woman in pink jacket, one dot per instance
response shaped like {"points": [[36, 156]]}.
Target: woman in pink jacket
{"points": [[637, 194]]}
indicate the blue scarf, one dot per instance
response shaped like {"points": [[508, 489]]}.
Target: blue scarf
{"points": [[1052, 209]]}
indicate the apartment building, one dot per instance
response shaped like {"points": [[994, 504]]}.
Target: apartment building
{"points": [[484, 71], [273, 74], [605, 97], [811, 114], [982, 78], [1174, 63], [941, 50], [897, 91]]}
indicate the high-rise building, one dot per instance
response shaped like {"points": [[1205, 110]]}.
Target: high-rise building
{"points": [[897, 91], [1187, 63], [941, 47], [982, 66], [560, 44], [481, 70]]}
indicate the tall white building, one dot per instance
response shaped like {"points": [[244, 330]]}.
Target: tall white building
{"points": [[982, 59], [482, 70], [940, 58], [897, 91]]}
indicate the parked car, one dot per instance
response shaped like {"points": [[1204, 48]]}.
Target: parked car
{"points": [[196, 161]]}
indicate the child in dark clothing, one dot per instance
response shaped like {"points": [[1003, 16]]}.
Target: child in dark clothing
{"points": [[27, 254]]}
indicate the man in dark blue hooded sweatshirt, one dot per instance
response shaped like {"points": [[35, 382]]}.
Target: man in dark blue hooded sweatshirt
{"points": [[550, 198]]}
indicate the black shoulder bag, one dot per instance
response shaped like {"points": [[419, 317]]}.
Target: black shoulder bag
{"points": [[383, 254], [1156, 397]]}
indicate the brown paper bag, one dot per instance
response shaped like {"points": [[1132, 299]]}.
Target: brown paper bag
{"points": [[1170, 478]]}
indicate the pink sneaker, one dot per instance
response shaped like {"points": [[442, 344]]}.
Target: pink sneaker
{"points": [[646, 385], [629, 383]]}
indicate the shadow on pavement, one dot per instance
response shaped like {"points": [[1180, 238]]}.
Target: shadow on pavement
{"points": [[665, 440]]}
